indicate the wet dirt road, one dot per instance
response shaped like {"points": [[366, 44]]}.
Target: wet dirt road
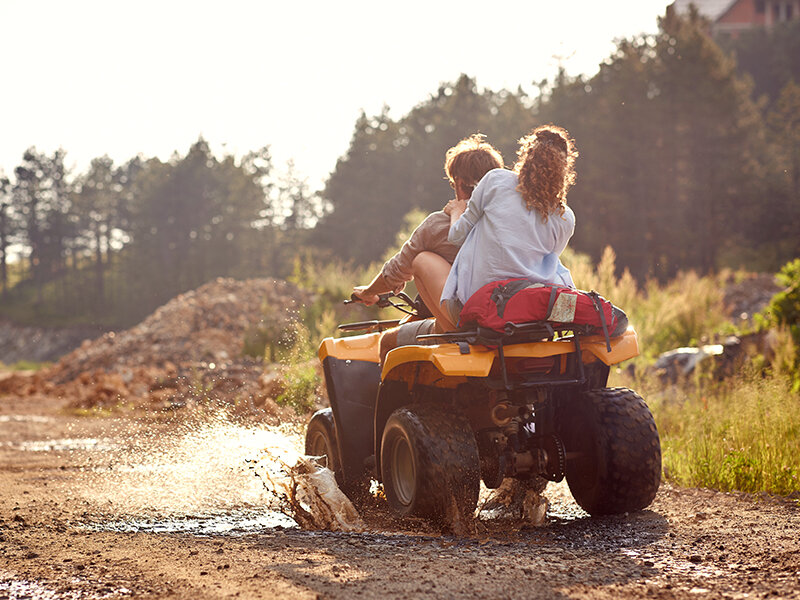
{"points": [[110, 508]]}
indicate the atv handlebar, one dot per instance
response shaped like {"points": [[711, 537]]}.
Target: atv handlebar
{"points": [[407, 305]]}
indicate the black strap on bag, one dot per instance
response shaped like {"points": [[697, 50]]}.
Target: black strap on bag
{"points": [[551, 302], [596, 301], [503, 293]]}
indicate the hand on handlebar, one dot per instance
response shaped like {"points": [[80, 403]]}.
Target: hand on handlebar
{"points": [[360, 296]]}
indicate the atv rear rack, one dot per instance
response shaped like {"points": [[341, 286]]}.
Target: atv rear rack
{"points": [[520, 333]]}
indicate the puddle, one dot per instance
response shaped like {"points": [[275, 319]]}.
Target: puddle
{"points": [[23, 589], [562, 507], [24, 419], [234, 523], [208, 478], [65, 445], [217, 477], [187, 470]]}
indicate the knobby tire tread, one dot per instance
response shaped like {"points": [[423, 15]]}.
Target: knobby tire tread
{"points": [[448, 459], [628, 441]]}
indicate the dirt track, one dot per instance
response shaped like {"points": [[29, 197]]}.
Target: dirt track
{"points": [[80, 517]]}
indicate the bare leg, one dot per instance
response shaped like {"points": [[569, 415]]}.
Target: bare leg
{"points": [[430, 274], [388, 342]]}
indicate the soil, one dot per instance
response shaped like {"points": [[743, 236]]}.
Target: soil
{"points": [[130, 469], [92, 507]]}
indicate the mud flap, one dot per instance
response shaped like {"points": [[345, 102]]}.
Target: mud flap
{"points": [[352, 390]]}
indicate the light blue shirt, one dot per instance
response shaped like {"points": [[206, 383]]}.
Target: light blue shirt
{"points": [[500, 239]]}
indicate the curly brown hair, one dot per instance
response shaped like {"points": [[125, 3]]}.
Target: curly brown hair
{"points": [[471, 159], [546, 169]]}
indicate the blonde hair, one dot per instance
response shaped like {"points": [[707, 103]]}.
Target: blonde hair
{"points": [[545, 168], [471, 159]]}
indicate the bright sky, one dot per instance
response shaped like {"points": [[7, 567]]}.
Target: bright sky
{"points": [[120, 78]]}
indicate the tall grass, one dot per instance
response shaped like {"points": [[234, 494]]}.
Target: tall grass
{"points": [[739, 434], [742, 434], [684, 311]]}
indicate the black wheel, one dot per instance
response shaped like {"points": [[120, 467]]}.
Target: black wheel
{"points": [[613, 451], [321, 440], [429, 464]]}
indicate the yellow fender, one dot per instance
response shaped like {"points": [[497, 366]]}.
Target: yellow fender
{"points": [[432, 364], [444, 365], [358, 347]]}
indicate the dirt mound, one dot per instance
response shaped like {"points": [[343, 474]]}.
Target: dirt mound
{"points": [[188, 351]]}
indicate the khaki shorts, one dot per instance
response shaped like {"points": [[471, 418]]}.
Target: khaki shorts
{"points": [[408, 332], [452, 308]]}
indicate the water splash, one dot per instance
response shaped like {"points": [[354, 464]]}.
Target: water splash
{"points": [[214, 476], [187, 468]]}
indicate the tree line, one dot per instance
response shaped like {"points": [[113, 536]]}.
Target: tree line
{"points": [[112, 243], [690, 159], [684, 162]]}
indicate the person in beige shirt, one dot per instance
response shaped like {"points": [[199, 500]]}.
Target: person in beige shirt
{"points": [[465, 164]]}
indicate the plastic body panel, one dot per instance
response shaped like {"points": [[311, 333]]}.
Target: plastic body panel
{"points": [[449, 361], [352, 378]]}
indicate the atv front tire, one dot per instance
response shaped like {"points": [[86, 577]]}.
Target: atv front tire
{"points": [[430, 466], [613, 451], [321, 440]]}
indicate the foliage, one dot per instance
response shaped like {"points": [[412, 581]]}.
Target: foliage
{"points": [[111, 244], [680, 170], [770, 56], [670, 142], [299, 374], [743, 434], [784, 311], [393, 166], [25, 365]]}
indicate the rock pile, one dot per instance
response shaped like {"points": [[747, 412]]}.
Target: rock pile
{"points": [[188, 351]]}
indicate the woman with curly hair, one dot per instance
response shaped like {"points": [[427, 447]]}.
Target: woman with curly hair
{"points": [[516, 224]]}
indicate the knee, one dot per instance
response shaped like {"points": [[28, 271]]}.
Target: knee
{"points": [[425, 259], [422, 260]]}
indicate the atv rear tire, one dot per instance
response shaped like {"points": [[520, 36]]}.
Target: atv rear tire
{"points": [[429, 465], [321, 440], [613, 451]]}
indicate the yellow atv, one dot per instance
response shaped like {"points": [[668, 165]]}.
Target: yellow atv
{"points": [[530, 403]]}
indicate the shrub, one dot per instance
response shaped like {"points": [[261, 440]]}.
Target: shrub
{"points": [[299, 373], [783, 312]]}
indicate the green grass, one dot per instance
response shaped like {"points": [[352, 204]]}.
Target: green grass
{"points": [[740, 434], [25, 365]]}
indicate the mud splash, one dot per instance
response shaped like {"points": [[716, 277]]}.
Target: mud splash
{"points": [[208, 477]]}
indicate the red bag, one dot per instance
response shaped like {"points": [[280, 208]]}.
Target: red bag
{"points": [[522, 301]]}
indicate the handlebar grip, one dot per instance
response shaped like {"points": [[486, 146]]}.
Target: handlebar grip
{"points": [[383, 299]]}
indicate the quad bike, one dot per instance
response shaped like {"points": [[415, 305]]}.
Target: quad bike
{"points": [[529, 403]]}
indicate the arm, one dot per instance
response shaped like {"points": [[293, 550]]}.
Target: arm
{"points": [[563, 231], [464, 215], [398, 269]]}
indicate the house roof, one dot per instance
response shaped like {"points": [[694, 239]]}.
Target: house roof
{"points": [[711, 9]]}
